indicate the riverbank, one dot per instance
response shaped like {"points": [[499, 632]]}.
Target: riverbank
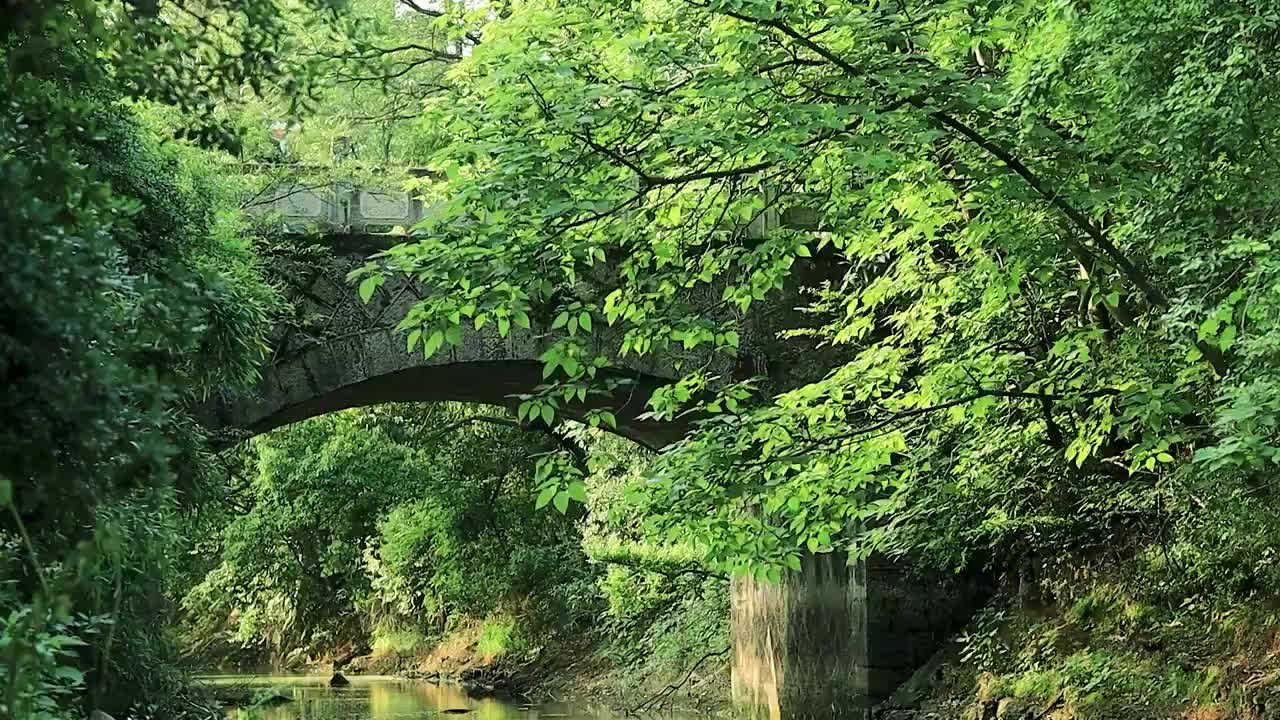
{"points": [[666, 649], [581, 671], [1100, 643]]}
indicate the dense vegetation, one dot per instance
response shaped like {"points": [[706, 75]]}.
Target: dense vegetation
{"points": [[128, 288], [385, 532], [1019, 256], [1042, 231], [1038, 242], [388, 523]]}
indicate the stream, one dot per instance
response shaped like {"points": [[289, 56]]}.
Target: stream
{"points": [[385, 698]]}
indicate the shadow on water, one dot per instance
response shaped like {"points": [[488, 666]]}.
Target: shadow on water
{"points": [[386, 698]]}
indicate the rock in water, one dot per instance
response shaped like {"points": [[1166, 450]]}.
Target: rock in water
{"points": [[339, 680]]}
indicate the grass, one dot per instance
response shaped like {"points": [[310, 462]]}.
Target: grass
{"points": [[499, 637], [399, 641]]}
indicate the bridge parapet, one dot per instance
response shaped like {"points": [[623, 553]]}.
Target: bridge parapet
{"points": [[339, 208], [348, 207]]}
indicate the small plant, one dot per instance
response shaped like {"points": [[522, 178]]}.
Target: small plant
{"points": [[981, 643], [1090, 608], [37, 660]]}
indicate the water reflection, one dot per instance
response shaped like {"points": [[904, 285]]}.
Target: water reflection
{"points": [[384, 698]]}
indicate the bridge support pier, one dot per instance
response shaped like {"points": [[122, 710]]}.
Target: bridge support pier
{"points": [[834, 639]]}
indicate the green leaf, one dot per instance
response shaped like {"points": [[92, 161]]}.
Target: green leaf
{"points": [[549, 367], [368, 285], [584, 321], [69, 674], [433, 343], [545, 496], [570, 365], [578, 491], [453, 335], [562, 502], [1208, 329], [1227, 338], [548, 413], [414, 337]]}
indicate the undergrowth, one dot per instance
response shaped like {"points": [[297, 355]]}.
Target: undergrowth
{"points": [[1109, 644]]}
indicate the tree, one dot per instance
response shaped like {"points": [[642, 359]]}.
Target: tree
{"points": [[127, 293], [1042, 236]]}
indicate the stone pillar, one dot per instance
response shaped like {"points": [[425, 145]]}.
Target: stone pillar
{"points": [[800, 645], [833, 640]]}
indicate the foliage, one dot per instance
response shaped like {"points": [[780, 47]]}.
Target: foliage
{"points": [[126, 294], [1031, 245], [499, 637], [1035, 238], [49, 662], [1102, 649], [372, 68], [663, 610], [398, 642], [394, 520]]}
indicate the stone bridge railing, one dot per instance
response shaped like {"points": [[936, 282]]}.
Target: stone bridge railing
{"points": [[348, 208], [339, 208]]}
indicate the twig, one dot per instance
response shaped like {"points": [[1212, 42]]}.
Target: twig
{"points": [[666, 692]]}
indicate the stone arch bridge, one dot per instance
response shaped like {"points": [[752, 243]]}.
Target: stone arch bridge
{"points": [[829, 642], [339, 353]]}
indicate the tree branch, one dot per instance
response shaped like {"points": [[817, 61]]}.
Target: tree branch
{"points": [[917, 412], [658, 180], [1127, 267], [579, 454]]}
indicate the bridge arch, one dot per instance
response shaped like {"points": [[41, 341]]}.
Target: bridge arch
{"points": [[338, 353]]}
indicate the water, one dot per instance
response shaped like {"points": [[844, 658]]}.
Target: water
{"points": [[385, 698]]}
